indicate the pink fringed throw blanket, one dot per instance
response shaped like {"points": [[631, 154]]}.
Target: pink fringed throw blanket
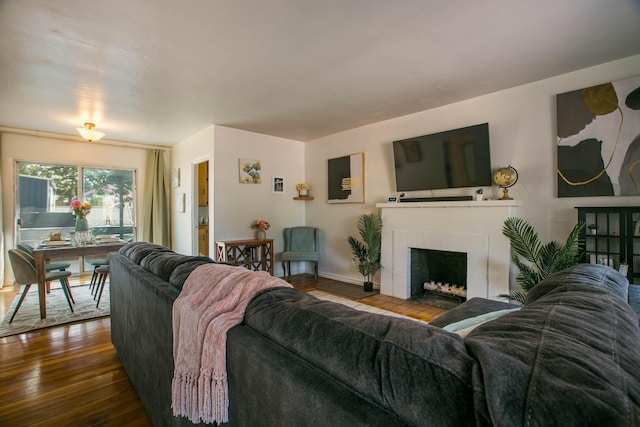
{"points": [[213, 300]]}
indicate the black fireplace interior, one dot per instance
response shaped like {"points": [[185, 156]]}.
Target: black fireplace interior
{"points": [[438, 266]]}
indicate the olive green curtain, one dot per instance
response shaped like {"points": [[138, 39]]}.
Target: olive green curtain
{"points": [[157, 212]]}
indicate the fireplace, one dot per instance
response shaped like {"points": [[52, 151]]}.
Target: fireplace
{"points": [[442, 273], [472, 228]]}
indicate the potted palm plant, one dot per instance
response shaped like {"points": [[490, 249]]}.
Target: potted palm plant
{"points": [[535, 260], [366, 253]]}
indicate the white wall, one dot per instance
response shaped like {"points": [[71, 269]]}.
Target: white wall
{"points": [[28, 148], [522, 132], [186, 155], [233, 207], [239, 205]]}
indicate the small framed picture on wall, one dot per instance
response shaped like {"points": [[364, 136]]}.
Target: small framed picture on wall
{"points": [[277, 184]]}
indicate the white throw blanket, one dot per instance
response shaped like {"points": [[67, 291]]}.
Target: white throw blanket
{"points": [[213, 300]]}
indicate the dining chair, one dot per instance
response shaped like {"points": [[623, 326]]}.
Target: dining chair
{"points": [[51, 266], [24, 271], [102, 272], [96, 262], [301, 244], [32, 260]]}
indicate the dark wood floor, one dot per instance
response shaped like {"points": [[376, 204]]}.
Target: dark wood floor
{"points": [[70, 375]]}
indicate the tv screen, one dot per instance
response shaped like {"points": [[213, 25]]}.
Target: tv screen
{"points": [[452, 159]]}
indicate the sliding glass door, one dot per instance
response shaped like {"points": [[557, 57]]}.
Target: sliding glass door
{"points": [[45, 192]]}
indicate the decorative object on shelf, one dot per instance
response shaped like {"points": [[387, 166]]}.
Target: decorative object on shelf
{"points": [[80, 211], [479, 194], [249, 171], [262, 227], [593, 229], [345, 179], [89, 133], [303, 189], [366, 253], [505, 178], [535, 260]]}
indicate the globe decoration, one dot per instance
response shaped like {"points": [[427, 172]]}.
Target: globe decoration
{"points": [[505, 178]]}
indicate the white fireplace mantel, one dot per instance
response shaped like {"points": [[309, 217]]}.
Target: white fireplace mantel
{"points": [[473, 227]]}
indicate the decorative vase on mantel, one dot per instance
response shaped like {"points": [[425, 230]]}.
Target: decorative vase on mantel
{"points": [[261, 235], [83, 234], [302, 193]]}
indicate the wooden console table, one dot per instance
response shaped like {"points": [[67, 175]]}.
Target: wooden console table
{"points": [[254, 254]]}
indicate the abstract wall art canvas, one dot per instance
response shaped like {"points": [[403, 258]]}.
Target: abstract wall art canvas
{"points": [[249, 171], [598, 140], [346, 179]]}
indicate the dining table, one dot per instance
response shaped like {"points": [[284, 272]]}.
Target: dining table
{"points": [[47, 251]]}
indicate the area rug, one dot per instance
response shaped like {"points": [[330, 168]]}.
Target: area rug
{"points": [[358, 305], [346, 289], [58, 313]]}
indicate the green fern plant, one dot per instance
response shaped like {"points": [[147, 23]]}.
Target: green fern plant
{"points": [[366, 253], [536, 261]]}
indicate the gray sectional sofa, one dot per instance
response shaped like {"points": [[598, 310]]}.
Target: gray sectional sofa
{"points": [[569, 356]]}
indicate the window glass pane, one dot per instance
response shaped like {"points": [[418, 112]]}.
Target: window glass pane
{"points": [[44, 194], [111, 194]]}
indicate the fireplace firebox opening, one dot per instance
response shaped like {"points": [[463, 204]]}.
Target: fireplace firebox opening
{"points": [[440, 273]]}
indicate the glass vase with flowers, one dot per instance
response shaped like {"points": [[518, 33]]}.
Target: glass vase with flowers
{"points": [[262, 226], [80, 211]]}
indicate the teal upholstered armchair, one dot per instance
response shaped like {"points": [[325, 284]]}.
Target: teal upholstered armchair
{"points": [[301, 244]]}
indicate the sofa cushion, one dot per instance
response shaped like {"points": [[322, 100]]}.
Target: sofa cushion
{"points": [[571, 353], [136, 251], [582, 274], [182, 271], [402, 365], [162, 264]]}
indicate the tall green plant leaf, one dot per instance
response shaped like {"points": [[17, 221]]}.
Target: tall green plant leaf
{"points": [[367, 252], [536, 261]]}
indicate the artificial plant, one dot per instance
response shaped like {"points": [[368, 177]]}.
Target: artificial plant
{"points": [[366, 253], [535, 260]]}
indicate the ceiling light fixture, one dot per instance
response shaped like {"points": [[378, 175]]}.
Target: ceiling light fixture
{"points": [[89, 133]]}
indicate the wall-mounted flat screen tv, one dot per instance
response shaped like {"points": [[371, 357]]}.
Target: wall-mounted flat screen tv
{"points": [[453, 159]]}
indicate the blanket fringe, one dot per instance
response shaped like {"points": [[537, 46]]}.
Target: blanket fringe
{"points": [[184, 397], [214, 398]]}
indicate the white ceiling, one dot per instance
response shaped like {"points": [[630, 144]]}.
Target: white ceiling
{"points": [[158, 71]]}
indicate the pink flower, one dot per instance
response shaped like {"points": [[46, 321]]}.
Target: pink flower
{"points": [[261, 224], [81, 209]]}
